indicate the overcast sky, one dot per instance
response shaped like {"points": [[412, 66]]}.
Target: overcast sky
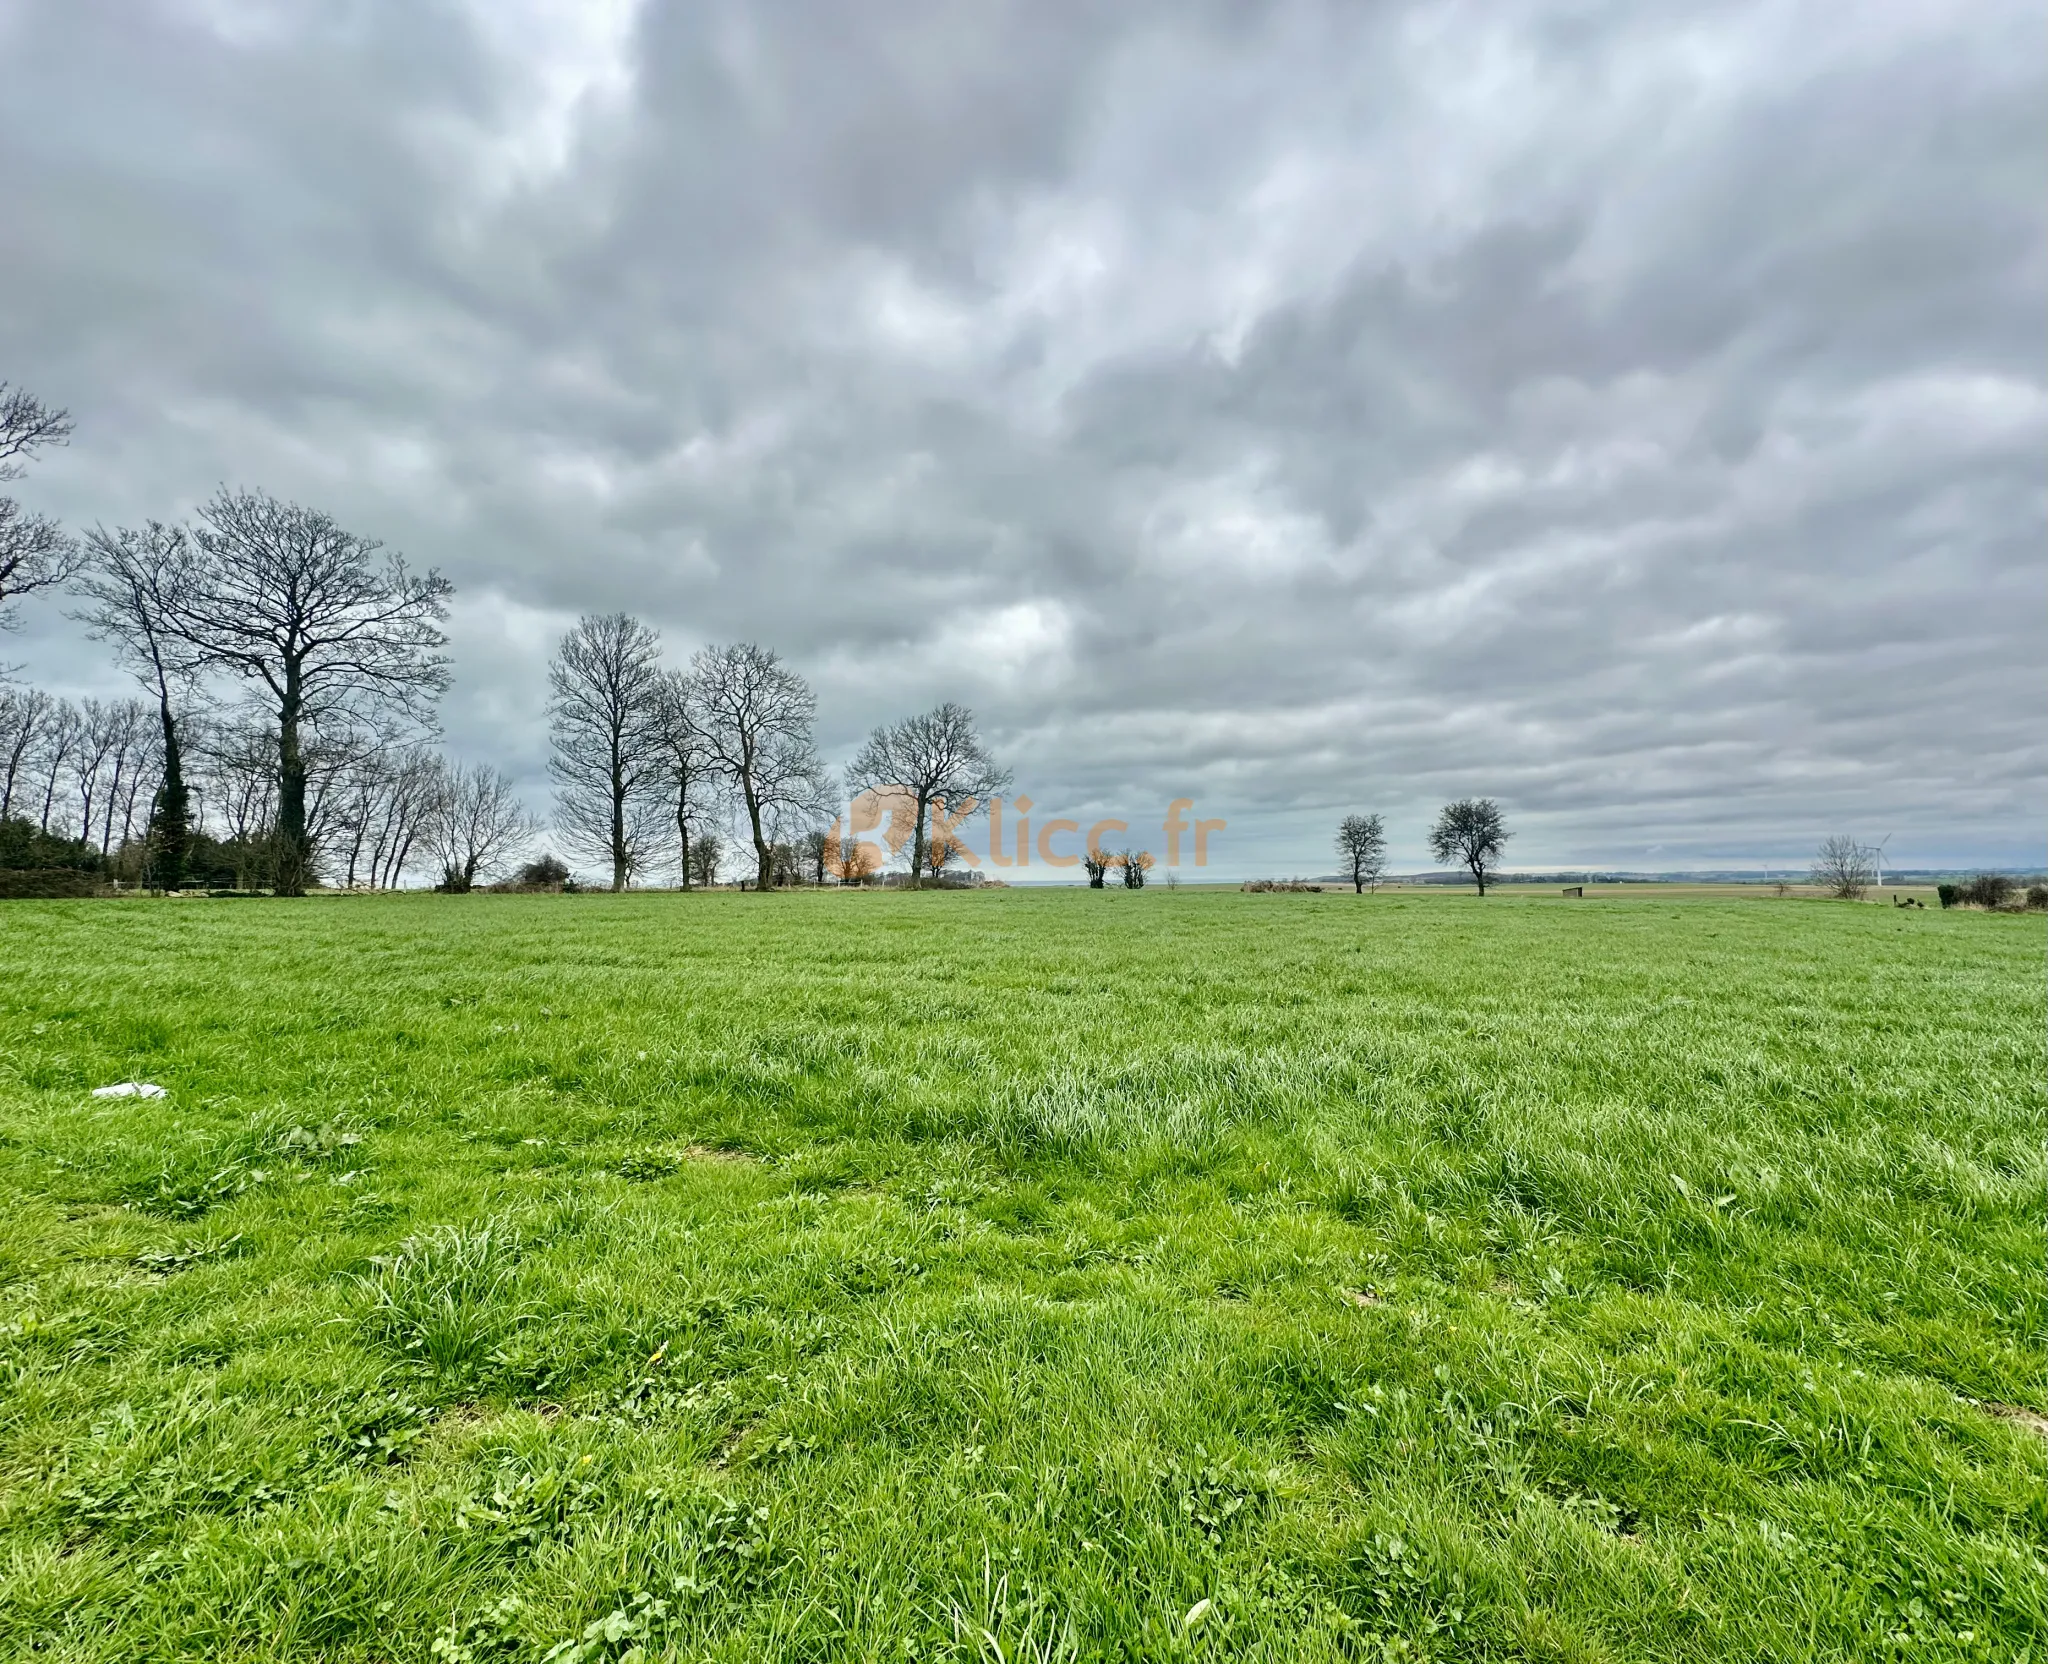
{"points": [[1634, 413]]}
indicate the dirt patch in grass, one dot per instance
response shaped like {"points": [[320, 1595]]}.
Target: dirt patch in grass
{"points": [[661, 1164], [2020, 1416]]}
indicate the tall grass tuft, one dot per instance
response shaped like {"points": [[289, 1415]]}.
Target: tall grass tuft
{"points": [[444, 1299]]}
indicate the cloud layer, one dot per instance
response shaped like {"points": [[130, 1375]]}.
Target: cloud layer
{"points": [[1633, 414]]}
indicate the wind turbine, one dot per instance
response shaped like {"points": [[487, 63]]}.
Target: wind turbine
{"points": [[1879, 853]]}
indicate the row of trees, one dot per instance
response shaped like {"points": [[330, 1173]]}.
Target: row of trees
{"points": [[642, 753], [89, 780], [1471, 832], [331, 764], [337, 645], [78, 772]]}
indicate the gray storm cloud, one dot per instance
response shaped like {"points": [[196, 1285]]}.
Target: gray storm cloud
{"points": [[1633, 414]]}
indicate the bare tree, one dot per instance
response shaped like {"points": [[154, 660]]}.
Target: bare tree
{"points": [[56, 755], [853, 861], [384, 794], [686, 760], [236, 773], [357, 809], [605, 721], [1136, 864], [815, 846], [1098, 864], [404, 807], [376, 805], [942, 848], [25, 716], [34, 552], [1362, 847], [26, 426], [334, 750], [1472, 833], [1843, 867], [139, 782], [706, 849], [755, 716], [936, 758], [98, 731], [109, 745], [135, 582], [477, 821], [284, 597]]}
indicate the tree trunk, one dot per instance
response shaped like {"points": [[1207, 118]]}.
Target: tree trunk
{"points": [[171, 816], [355, 847], [764, 857], [619, 859], [917, 841], [107, 811], [14, 759], [683, 834], [294, 859]]}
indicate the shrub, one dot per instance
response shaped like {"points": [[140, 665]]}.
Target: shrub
{"points": [[1995, 891], [25, 846], [853, 861], [547, 873], [226, 864], [50, 883], [1988, 889], [1843, 868]]}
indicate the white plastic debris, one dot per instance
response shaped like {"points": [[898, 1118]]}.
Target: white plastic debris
{"points": [[130, 1089]]}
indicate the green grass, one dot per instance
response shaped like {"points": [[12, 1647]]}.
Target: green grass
{"points": [[1022, 1276]]}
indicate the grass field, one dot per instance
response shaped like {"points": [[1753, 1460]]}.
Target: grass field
{"points": [[1022, 1276]]}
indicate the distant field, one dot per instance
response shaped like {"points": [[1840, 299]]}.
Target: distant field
{"points": [[1023, 1275], [1654, 890]]}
